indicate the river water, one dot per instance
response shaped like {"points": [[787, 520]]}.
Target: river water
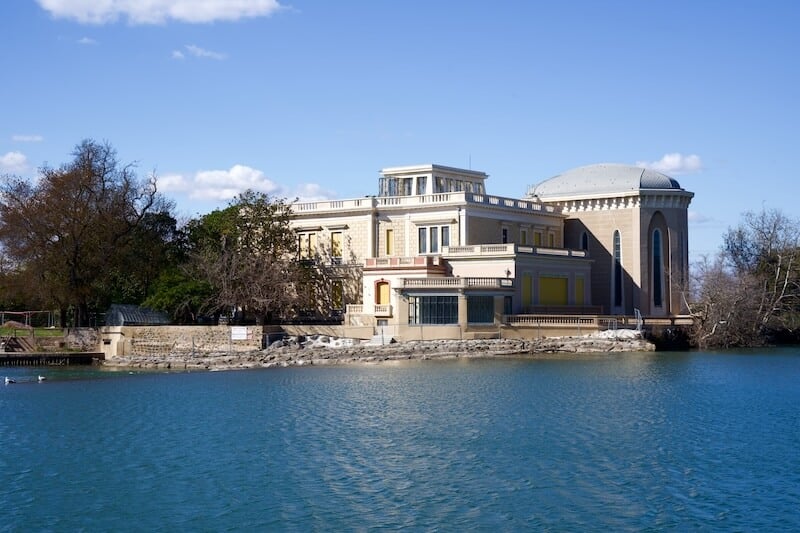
{"points": [[676, 441]]}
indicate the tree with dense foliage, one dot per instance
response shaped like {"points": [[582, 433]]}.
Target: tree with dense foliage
{"points": [[181, 294], [750, 293], [247, 255], [72, 234]]}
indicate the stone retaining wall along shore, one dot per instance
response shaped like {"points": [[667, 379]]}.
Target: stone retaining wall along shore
{"points": [[324, 350], [155, 341]]}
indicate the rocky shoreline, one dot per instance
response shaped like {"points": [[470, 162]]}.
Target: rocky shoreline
{"points": [[323, 350]]}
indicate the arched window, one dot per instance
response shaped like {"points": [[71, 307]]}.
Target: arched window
{"points": [[658, 269], [585, 241], [617, 270], [382, 293]]}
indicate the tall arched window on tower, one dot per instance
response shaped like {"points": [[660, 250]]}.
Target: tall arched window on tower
{"points": [[658, 269], [585, 241], [617, 270]]}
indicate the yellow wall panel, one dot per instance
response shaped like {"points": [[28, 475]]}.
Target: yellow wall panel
{"points": [[552, 291]]}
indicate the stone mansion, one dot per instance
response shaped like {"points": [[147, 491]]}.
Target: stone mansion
{"points": [[435, 256]]}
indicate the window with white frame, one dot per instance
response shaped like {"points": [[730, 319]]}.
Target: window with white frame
{"points": [[432, 238]]}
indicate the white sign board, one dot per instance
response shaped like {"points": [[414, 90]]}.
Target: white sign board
{"points": [[238, 333]]}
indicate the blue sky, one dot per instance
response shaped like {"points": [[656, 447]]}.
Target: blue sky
{"points": [[311, 98]]}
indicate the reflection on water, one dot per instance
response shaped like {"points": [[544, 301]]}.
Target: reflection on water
{"points": [[631, 441]]}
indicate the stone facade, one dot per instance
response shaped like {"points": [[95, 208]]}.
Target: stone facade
{"points": [[125, 341], [600, 239]]}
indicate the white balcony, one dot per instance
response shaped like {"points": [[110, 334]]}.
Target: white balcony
{"points": [[456, 283], [382, 310], [377, 310]]}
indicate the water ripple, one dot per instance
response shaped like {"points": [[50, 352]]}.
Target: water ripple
{"points": [[622, 442]]}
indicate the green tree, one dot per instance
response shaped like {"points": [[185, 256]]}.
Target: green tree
{"points": [[180, 294]]}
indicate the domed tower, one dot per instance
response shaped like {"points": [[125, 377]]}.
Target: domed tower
{"points": [[633, 223]]}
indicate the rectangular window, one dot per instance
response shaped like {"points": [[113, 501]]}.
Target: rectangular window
{"points": [[433, 310], [480, 309], [407, 184], [537, 239], [336, 247], [422, 181], [431, 238], [389, 242], [504, 235], [551, 240], [523, 236], [337, 295], [307, 245], [302, 245], [438, 184], [527, 290]]}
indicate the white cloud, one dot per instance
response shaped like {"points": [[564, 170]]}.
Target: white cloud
{"points": [[87, 41], [177, 54], [225, 185], [310, 192], [674, 164], [698, 218], [158, 11], [203, 53], [27, 138], [13, 162], [172, 183]]}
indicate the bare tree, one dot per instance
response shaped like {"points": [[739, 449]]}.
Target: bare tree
{"points": [[750, 292], [65, 231], [725, 314], [766, 245], [329, 279], [246, 253]]}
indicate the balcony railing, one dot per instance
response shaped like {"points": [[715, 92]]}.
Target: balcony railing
{"points": [[382, 310], [424, 199], [378, 310], [456, 283], [398, 262], [509, 249]]}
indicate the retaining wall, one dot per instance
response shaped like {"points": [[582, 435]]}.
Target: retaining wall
{"points": [[129, 341]]}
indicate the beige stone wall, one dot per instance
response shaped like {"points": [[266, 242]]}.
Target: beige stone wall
{"points": [[355, 231], [635, 225], [398, 227], [158, 340], [482, 230], [600, 226]]}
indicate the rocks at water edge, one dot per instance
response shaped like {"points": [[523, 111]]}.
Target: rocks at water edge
{"points": [[325, 350]]}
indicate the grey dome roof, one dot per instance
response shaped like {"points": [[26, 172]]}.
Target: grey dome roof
{"points": [[602, 179]]}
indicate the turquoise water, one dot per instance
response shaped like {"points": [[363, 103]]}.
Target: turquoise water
{"points": [[676, 441]]}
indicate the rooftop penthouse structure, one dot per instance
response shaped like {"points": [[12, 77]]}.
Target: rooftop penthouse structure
{"points": [[434, 255]]}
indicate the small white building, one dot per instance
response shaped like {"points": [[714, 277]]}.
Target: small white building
{"points": [[437, 257]]}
